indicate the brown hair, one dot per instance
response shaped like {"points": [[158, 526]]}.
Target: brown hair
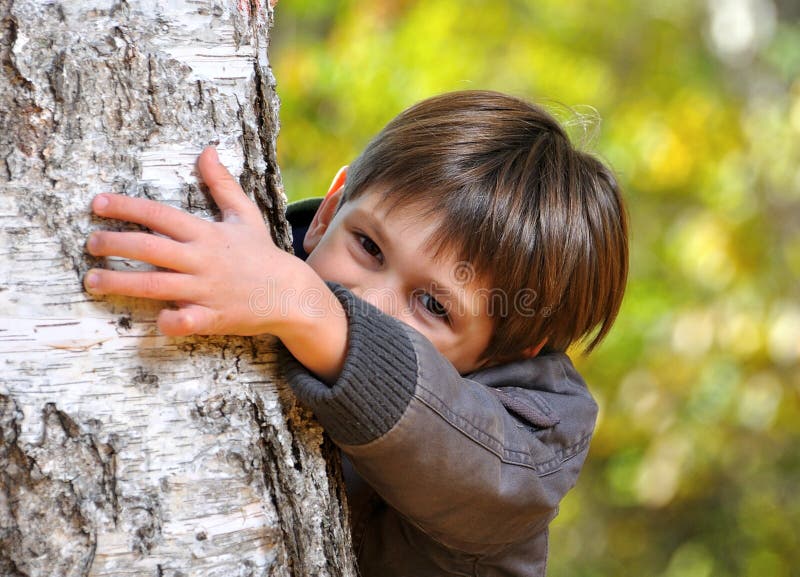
{"points": [[533, 215]]}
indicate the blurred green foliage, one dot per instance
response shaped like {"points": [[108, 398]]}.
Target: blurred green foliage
{"points": [[695, 467]]}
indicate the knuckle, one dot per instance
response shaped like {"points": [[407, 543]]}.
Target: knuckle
{"points": [[151, 285], [153, 211], [148, 244], [216, 322], [222, 177], [185, 322]]}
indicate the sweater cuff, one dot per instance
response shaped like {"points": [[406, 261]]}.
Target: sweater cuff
{"points": [[377, 381]]}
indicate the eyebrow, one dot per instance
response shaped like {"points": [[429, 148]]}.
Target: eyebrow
{"points": [[367, 219]]}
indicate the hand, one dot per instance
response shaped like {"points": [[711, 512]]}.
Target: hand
{"points": [[214, 267]]}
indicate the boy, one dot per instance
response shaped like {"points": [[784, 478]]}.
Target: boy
{"points": [[465, 249]]}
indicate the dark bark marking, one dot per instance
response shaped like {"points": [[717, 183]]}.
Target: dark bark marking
{"points": [[337, 509], [270, 196], [146, 521], [146, 381], [26, 129], [152, 91], [278, 482], [32, 484], [259, 144], [212, 414], [8, 36]]}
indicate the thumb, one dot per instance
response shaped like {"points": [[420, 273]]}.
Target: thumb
{"points": [[187, 320], [225, 190]]}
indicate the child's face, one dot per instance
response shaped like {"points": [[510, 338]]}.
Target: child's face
{"points": [[385, 258]]}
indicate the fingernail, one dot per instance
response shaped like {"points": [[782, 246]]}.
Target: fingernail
{"points": [[214, 154], [91, 243], [92, 279], [100, 202]]}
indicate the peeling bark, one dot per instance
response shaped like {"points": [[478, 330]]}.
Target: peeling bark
{"points": [[123, 452]]}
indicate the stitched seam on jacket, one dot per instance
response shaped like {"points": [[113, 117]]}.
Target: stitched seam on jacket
{"points": [[499, 450]]}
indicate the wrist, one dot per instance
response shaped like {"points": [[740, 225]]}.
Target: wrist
{"points": [[313, 326]]}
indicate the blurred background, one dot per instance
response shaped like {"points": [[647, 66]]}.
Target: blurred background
{"points": [[695, 467]]}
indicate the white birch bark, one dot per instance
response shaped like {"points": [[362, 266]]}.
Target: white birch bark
{"points": [[124, 452]]}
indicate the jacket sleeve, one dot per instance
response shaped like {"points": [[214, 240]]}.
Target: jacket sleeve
{"points": [[476, 467]]}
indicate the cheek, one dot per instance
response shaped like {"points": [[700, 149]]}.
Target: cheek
{"points": [[333, 262], [316, 261], [325, 259], [445, 342], [468, 349], [332, 273]]}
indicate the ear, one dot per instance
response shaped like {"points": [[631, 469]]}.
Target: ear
{"points": [[531, 352], [338, 180], [326, 211]]}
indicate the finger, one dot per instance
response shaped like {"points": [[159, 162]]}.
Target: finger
{"points": [[227, 193], [154, 215], [156, 250], [188, 320], [162, 286]]}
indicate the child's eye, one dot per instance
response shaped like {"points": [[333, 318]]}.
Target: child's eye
{"points": [[433, 306], [369, 246]]}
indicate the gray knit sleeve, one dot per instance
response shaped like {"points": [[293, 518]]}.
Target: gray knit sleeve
{"points": [[376, 384]]}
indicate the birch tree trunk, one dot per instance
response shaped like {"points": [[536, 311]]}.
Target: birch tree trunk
{"points": [[124, 452]]}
